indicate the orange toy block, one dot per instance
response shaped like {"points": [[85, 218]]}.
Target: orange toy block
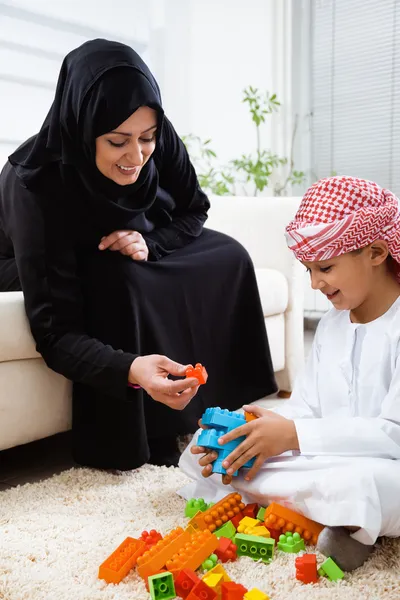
{"points": [[219, 513], [249, 416], [194, 552], [121, 561], [155, 558], [279, 517], [199, 372], [306, 568]]}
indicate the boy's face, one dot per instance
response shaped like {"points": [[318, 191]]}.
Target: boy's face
{"points": [[347, 280]]}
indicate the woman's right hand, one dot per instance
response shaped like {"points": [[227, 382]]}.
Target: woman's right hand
{"points": [[151, 373]]}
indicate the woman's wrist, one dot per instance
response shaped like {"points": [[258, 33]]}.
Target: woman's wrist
{"points": [[132, 379]]}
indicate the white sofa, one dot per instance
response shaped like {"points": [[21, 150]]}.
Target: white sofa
{"points": [[35, 402]]}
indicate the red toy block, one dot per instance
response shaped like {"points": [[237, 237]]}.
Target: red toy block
{"points": [[237, 518], [306, 568], [150, 538], [185, 581], [219, 513], [250, 510], [201, 591], [199, 372], [226, 550], [275, 533], [232, 591], [121, 561], [280, 517]]}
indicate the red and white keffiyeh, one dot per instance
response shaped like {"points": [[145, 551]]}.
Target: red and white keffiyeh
{"points": [[342, 214]]}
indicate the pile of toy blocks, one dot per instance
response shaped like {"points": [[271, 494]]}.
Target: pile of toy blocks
{"points": [[186, 563]]}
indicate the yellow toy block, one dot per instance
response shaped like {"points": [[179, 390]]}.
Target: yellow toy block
{"points": [[219, 570], [255, 594], [246, 523], [261, 531], [214, 582]]}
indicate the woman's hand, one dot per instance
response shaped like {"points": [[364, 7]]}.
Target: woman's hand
{"points": [[268, 435], [130, 243], [151, 373]]}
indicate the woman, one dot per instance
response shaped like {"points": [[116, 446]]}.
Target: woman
{"points": [[101, 226]]}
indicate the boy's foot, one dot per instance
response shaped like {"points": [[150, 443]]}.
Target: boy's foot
{"points": [[348, 553]]}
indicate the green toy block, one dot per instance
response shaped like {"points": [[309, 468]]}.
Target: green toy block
{"points": [[330, 570], [161, 586], [194, 505], [227, 530], [210, 562], [261, 514], [255, 547], [291, 542]]}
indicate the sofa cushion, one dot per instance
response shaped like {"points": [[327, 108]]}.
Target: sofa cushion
{"points": [[15, 334], [274, 291]]}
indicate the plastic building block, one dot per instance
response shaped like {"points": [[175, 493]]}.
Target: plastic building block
{"points": [[261, 513], [199, 372], [121, 561], [150, 538], [236, 519], [226, 550], [274, 533], [146, 581], [194, 505], [306, 568], [185, 581], [280, 517], [260, 531], [250, 510], [232, 591], [255, 594], [162, 586], [291, 543], [227, 530], [214, 582], [247, 523], [202, 591], [330, 570], [218, 570], [255, 547], [223, 419], [249, 416], [155, 558], [220, 513], [210, 562], [193, 552]]}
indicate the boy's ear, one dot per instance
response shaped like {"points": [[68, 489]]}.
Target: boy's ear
{"points": [[379, 252]]}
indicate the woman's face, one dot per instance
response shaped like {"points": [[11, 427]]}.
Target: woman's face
{"points": [[121, 153]]}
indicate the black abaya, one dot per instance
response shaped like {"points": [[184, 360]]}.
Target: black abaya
{"points": [[92, 312]]}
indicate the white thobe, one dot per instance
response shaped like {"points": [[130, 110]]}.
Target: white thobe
{"points": [[346, 408]]}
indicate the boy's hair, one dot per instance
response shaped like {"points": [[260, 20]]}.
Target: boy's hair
{"points": [[342, 214]]}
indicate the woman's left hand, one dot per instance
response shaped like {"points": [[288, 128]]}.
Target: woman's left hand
{"points": [[130, 243], [268, 435]]}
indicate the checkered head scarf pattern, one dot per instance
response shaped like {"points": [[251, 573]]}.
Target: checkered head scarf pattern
{"points": [[341, 214]]}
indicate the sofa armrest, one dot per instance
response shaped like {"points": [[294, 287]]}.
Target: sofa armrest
{"points": [[16, 339]]}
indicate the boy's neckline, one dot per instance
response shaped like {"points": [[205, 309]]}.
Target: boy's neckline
{"points": [[391, 308]]}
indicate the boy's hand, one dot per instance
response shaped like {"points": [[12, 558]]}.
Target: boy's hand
{"points": [[207, 460], [268, 435]]}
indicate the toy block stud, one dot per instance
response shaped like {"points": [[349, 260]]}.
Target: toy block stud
{"points": [[227, 530], [261, 513], [190, 555], [185, 581], [210, 563], [220, 513], [255, 594], [162, 587], [226, 550], [255, 547], [291, 542], [202, 591], [306, 568], [195, 505], [155, 558], [330, 570], [232, 591], [199, 372], [121, 561], [280, 517], [150, 538]]}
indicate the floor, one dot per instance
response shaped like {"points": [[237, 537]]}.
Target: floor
{"points": [[44, 458]]}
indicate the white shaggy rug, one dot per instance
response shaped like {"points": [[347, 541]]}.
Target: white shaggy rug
{"points": [[54, 535]]}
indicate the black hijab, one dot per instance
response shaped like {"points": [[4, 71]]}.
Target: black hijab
{"points": [[100, 85]]}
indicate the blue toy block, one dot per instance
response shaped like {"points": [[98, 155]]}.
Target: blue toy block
{"points": [[222, 418]]}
